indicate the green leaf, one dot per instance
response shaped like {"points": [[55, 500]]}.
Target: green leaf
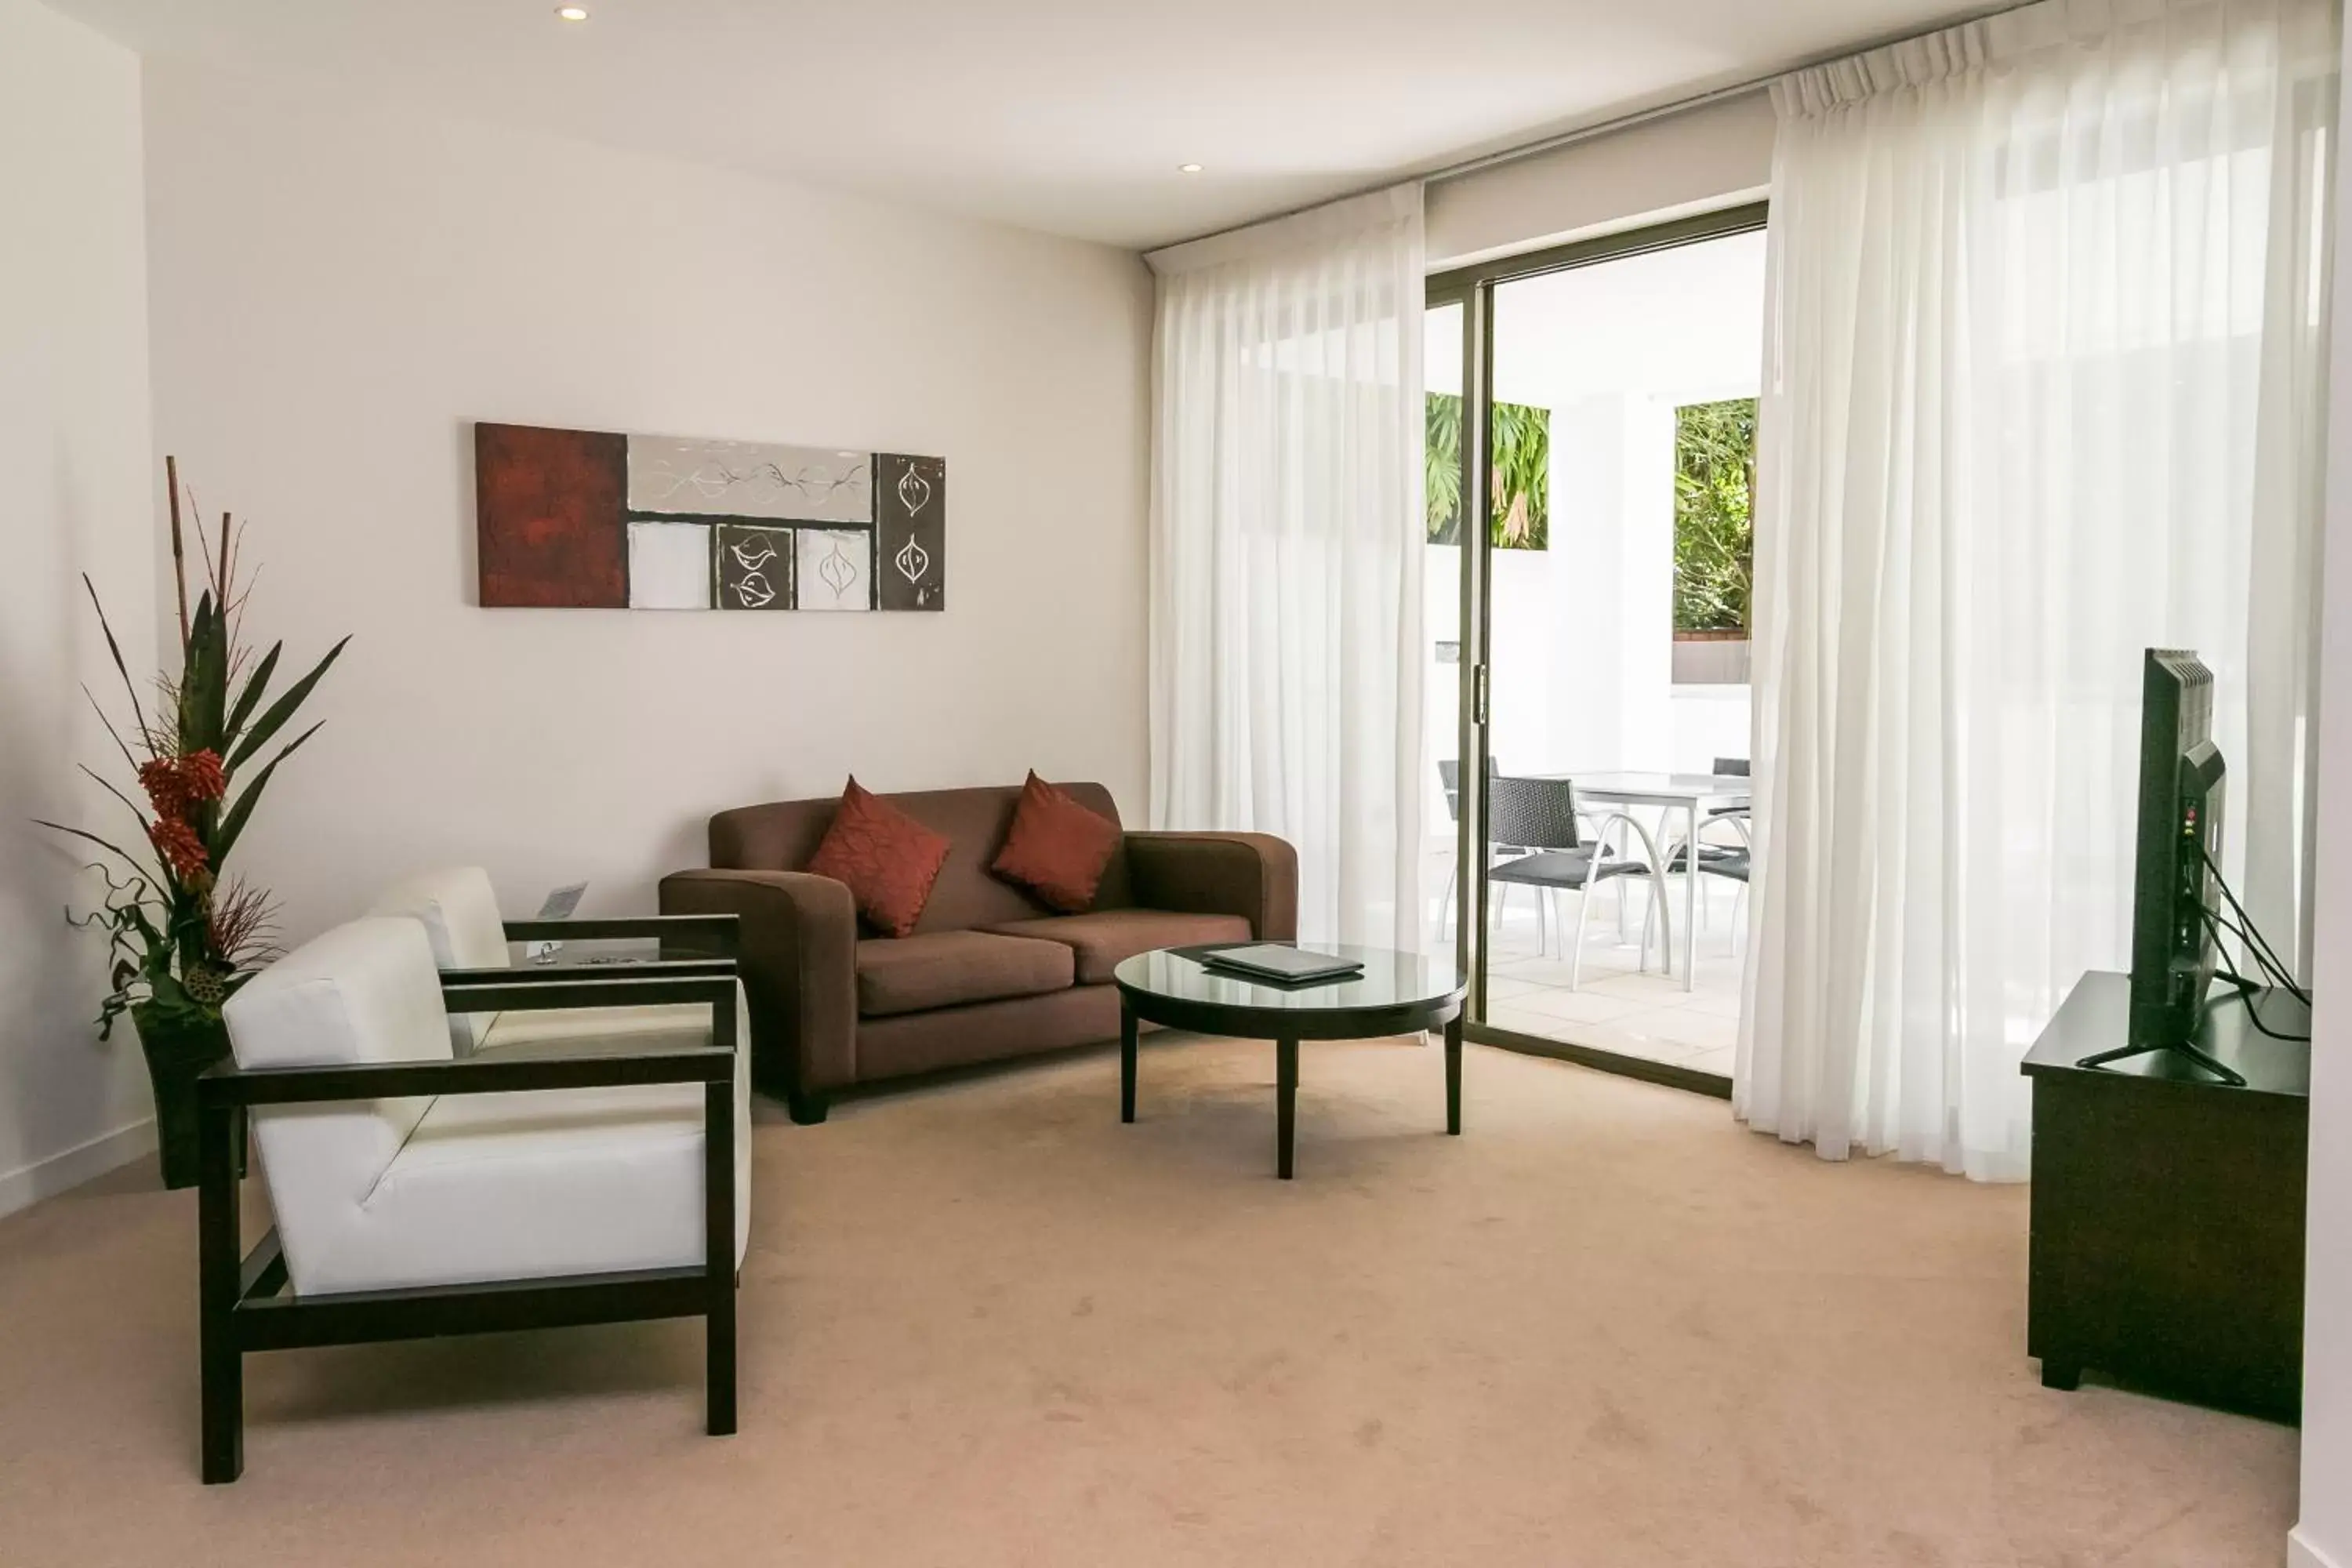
{"points": [[279, 711], [1522, 478], [1442, 475], [128, 859], [250, 697], [204, 679], [111, 733], [1715, 478], [115, 649], [170, 995], [232, 824], [1521, 515], [136, 810]]}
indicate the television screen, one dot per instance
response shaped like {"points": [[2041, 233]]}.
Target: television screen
{"points": [[2180, 811]]}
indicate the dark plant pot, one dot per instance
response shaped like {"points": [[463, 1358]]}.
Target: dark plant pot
{"points": [[176, 1052]]}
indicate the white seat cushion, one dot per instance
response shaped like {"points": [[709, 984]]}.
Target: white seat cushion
{"points": [[508, 1186], [518, 1187], [568, 1031], [686, 1025]]}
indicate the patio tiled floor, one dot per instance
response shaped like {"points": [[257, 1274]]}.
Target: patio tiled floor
{"points": [[1618, 1008]]}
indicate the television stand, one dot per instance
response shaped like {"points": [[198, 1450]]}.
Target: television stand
{"points": [[2168, 1229], [2228, 1076]]}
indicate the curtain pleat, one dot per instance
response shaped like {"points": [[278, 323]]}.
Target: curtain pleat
{"points": [[1287, 554], [2044, 386]]}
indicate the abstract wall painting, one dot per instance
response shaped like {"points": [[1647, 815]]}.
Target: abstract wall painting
{"points": [[755, 566], [583, 519], [669, 565], [834, 570], [910, 500]]}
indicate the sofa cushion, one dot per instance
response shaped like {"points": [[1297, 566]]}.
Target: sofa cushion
{"points": [[1099, 941], [950, 968], [782, 835], [886, 859], [1057, 846]]}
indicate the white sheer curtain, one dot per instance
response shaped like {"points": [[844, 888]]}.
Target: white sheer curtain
{"points": [[1287, 550], [2043, 386]]}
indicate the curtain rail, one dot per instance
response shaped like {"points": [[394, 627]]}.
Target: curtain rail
{"points": [[1616, 124]]}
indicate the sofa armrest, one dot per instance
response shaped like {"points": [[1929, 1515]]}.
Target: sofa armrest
{"points": [[1254, 875], [797, 950]]}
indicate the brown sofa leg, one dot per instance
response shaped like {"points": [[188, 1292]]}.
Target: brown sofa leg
{"points": [[807, 1106]]}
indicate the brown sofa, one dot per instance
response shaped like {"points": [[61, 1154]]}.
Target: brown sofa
{"points": [[989, 972]]}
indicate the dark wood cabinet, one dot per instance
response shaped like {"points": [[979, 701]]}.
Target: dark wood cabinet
{"points": [[2167, 1244]]}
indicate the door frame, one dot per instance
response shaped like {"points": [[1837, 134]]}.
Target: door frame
{"points": [[1473, 287]]}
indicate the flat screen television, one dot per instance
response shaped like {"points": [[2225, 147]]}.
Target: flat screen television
{"points": [[2180, 815]]}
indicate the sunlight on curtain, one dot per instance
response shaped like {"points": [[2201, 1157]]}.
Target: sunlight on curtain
{"points": [[2043, 386], [1287, 550]]}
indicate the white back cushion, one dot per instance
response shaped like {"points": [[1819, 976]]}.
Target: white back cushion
{"points": [[366, 992], [460, 911]]}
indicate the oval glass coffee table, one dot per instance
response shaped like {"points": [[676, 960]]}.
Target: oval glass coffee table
{"points": [[1397, 993]]}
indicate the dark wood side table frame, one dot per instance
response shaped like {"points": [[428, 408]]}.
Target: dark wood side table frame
{"points": [[1286, 1027], [2167, 1208]]}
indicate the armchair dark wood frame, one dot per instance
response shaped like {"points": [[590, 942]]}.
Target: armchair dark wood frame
{"points": [[241, 1303]]}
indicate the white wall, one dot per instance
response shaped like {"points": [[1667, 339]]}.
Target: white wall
{"points": [[1691, 162], [1583, 656], [341, 288], [73, 446], [2322, 1537], [1583, 631]]}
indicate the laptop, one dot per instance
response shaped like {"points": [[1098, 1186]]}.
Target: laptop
{"points": [[558, 907]]}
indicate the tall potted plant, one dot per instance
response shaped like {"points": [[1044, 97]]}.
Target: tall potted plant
{"points": [[182, 937]]}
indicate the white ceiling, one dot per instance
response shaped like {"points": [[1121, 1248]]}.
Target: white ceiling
{"points": [[1069, 116]]}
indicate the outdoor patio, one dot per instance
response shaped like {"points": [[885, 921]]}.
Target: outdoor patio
{"points": [[1617, 1006]]}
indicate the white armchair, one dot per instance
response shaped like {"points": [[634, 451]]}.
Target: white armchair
{"points": [[459, 911], [418, 1193]]}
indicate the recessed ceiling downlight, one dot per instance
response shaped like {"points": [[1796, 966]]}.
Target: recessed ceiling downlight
{"points": [[1188, 168], [572, 13]]}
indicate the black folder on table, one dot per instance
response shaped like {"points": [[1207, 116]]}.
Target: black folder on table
{"points": [[1270, 961]]}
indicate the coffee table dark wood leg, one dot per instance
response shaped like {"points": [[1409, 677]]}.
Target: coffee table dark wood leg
{"points": [[1125, 1061], [1286, 1100], [1454, 1075]]}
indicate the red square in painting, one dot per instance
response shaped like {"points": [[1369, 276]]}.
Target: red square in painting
{"points": [[550, 522]]}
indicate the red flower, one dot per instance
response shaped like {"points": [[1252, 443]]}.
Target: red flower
{"points": [[175, 783], [202, 774], [177, 843], [161, 779]]}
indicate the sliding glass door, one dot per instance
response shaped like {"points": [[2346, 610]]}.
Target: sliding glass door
{"points": [[1591, 465]]}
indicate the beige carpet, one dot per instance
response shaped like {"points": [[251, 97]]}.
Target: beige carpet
{"points": [[986, 1324]]}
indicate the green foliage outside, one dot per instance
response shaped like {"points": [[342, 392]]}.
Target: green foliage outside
{"points": [[1715, 508], [1521, 519]]}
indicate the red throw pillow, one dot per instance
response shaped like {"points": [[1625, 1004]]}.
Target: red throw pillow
{"points": [[888, 859], [1058, 847]]}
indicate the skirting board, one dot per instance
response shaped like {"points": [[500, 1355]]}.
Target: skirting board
{"points": [[2302, 1554], [28, 1184]]}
